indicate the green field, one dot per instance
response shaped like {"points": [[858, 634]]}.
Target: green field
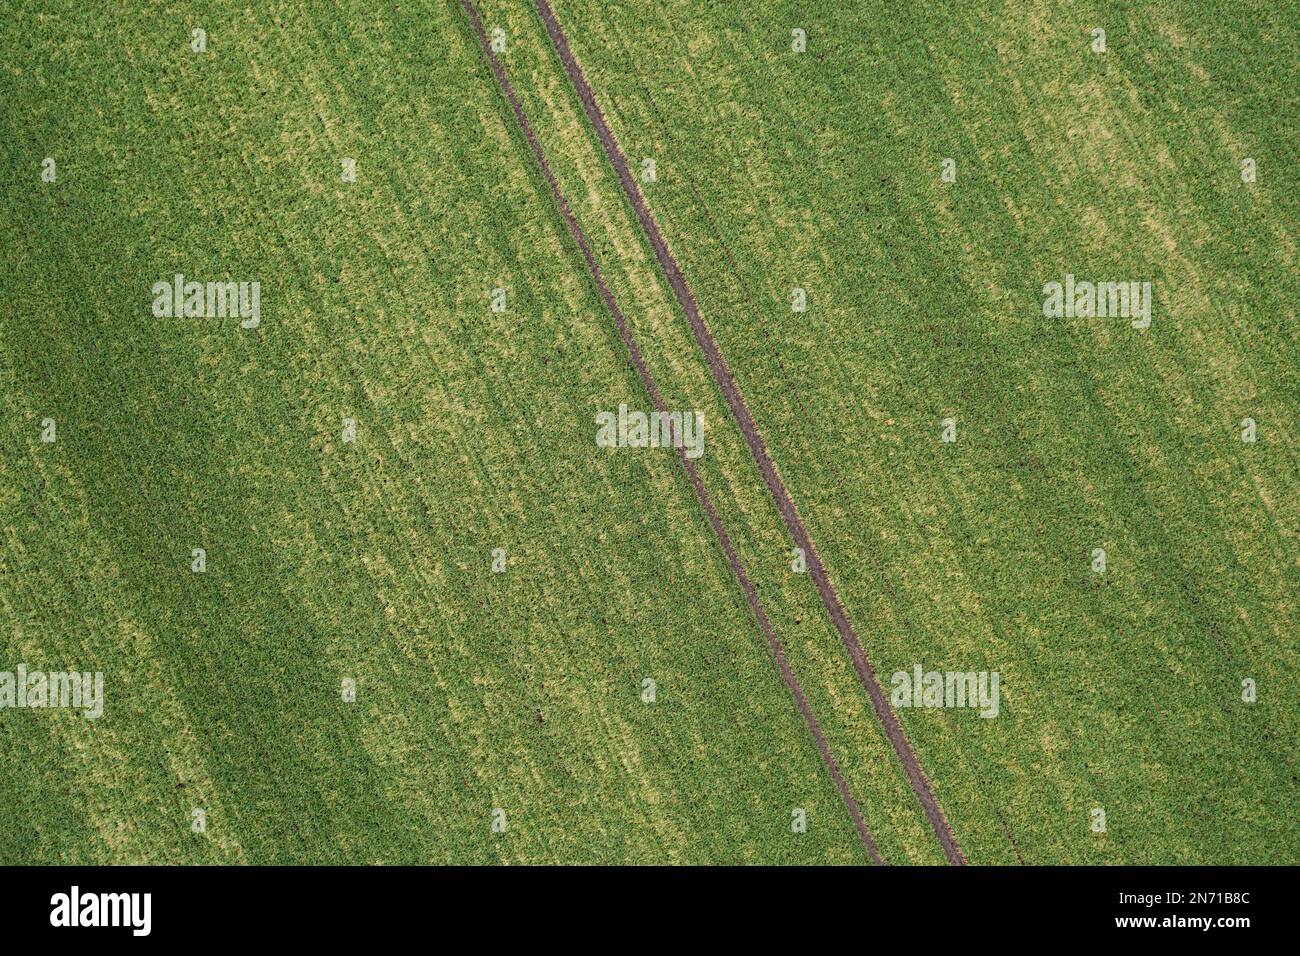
{"points": [[517, 697]]}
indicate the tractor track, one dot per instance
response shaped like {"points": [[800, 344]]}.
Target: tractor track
{"points": [[724, 539]]}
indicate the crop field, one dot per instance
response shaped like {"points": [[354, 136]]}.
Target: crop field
{"points": [[359, 578]]}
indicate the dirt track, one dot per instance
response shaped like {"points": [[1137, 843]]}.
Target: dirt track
{"points": [[751, 595], [757, 447]]}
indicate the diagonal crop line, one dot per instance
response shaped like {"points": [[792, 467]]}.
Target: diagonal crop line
{"points": [[757, 447], [724, 539]]}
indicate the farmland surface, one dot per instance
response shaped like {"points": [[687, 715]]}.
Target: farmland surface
{"points": [[395, 485]]}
